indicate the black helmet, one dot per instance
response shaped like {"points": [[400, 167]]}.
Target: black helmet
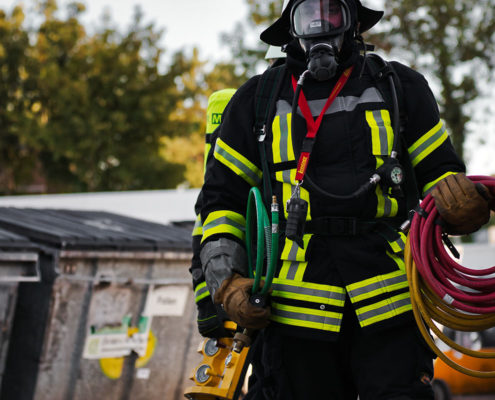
{"points": [[279, 33]]}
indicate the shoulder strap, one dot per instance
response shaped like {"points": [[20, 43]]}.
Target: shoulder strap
{"points": [[380, 70], [267, 91]]}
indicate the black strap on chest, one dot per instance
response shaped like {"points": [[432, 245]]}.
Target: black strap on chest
{"points": [[266, 95], [380, 71]]}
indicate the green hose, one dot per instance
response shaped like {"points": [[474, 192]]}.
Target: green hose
{"points": [[266, 239]]}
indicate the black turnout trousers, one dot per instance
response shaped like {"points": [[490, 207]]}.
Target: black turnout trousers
{"points": [[393, 364]]}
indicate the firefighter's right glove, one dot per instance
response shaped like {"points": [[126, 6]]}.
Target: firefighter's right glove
{"points": [[234, 294], [463, 205]]}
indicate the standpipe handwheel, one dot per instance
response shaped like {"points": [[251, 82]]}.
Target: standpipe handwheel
{"points": [[444, 291]]}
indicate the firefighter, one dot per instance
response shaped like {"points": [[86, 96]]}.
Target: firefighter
{"points": [[339, 324]]}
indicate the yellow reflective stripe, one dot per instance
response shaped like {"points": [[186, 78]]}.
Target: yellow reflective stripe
{"points": [[431, 184], [282, 139], [398, 260], [377, 285], [207, 151], [198, 227], [425, 145], [307, 291], [386, 206], [293, 270], [293, 252], [201, 292], [385, 309], [306, 317], [224, 221], [382, 134], [399, 245], [239, 164]]}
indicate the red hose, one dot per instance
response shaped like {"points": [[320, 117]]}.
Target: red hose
{"points": [[469, 290]]}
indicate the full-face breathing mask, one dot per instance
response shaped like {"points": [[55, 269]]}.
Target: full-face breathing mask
{"points": [[320, 26]]}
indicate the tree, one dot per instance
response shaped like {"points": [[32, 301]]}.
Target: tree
{"points": [[451, 40]]}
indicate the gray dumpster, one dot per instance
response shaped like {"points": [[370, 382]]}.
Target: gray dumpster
{"points": [[113, 316], [18, 263]]}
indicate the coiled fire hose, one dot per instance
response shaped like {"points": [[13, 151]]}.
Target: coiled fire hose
{"points": [[444, 291]]}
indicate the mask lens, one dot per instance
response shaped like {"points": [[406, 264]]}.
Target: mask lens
{"points": [[312, 17]]}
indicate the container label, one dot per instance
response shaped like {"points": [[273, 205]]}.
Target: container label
{"points": [[111, 342], [166, 301]]}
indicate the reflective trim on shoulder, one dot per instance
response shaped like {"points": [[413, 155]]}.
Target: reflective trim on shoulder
{"points": [[427, 143], [201, 292], [377, 285], [239, 164], [306, 317], [384, 309], [224, 221]]}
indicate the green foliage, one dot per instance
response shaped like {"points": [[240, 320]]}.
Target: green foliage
{"points": [[86, 112], [452, 40]]}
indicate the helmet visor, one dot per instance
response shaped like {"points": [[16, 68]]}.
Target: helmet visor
{"points": [[319, 17]]}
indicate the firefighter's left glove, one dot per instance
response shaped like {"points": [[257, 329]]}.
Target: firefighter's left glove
{"points": [[463, 205], [210, 319], [234, 294]]}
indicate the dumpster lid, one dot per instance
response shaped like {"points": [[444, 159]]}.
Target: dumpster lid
{"points": [[13, 241], [74, 229]]}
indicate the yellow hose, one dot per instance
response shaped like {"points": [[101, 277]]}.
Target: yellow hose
{"points": [[428, 307]]}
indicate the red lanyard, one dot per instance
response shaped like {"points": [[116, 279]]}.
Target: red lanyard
{"points": [[313, 125]]}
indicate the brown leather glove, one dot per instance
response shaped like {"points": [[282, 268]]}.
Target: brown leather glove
{"points": [[463, 205], [234, 294]]}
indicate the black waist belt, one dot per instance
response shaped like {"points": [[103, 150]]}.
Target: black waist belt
{"points": [[339, 226], [336, 226]]}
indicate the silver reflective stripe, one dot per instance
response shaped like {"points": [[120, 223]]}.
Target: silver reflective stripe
{"points": [[309, 292], [430, 141], [380, 286], [247, 173], [291, 274], [341, 103], [388, 310], [317, 319], [224, 221], [201, 292]]}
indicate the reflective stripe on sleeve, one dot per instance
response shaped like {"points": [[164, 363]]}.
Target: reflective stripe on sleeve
{"points": [[198, 226], [430, 185], [224, 221], [384, 309], [239, 164], [201, 292], [429, 142]]}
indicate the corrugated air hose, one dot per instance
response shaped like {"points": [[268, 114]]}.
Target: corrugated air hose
{"points": [[444, 291]]}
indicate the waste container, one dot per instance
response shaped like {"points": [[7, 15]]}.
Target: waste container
{"points": [[18, 263], [113, 316]]}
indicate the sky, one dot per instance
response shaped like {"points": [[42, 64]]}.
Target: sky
{"points": [[199, 23], [187, 23]]}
